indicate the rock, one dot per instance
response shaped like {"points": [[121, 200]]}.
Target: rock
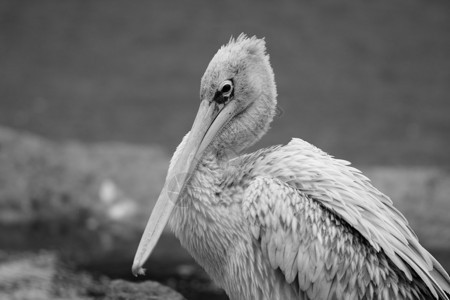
{"points": [[124, 290], [32, 276], [41, 276], [26, 278]]}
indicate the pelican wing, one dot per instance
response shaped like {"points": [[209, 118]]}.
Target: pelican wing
{"points": [[332, 233]]}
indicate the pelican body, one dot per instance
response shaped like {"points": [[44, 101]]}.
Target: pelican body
{"points": [[285, 222]]}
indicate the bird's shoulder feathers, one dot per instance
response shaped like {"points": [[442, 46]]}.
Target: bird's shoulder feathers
{"points": [[307, 207]]}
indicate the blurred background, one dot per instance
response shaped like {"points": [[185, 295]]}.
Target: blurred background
{"points": [[95, 96]]}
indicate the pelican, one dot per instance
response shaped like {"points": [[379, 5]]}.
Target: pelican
{"points": [[284, 222]]}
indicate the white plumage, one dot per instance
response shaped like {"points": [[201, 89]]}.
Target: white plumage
{"points": [[285, 222]]}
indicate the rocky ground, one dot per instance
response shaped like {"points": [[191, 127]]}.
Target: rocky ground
{"points": [[41, 276]]}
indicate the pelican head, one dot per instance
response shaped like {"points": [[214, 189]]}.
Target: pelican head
{"points": [[238, 101]]}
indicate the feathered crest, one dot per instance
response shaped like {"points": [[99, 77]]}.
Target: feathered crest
{"points": [[252, 45]]}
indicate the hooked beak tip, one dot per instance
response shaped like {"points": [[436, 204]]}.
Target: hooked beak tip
{"points": [[137, 270]]}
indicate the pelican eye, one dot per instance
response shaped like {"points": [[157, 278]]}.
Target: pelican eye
{"points": [[224, 92], [226, 88]]}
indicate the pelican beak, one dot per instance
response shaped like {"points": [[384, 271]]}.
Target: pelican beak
{"points": [[210, 120]]}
